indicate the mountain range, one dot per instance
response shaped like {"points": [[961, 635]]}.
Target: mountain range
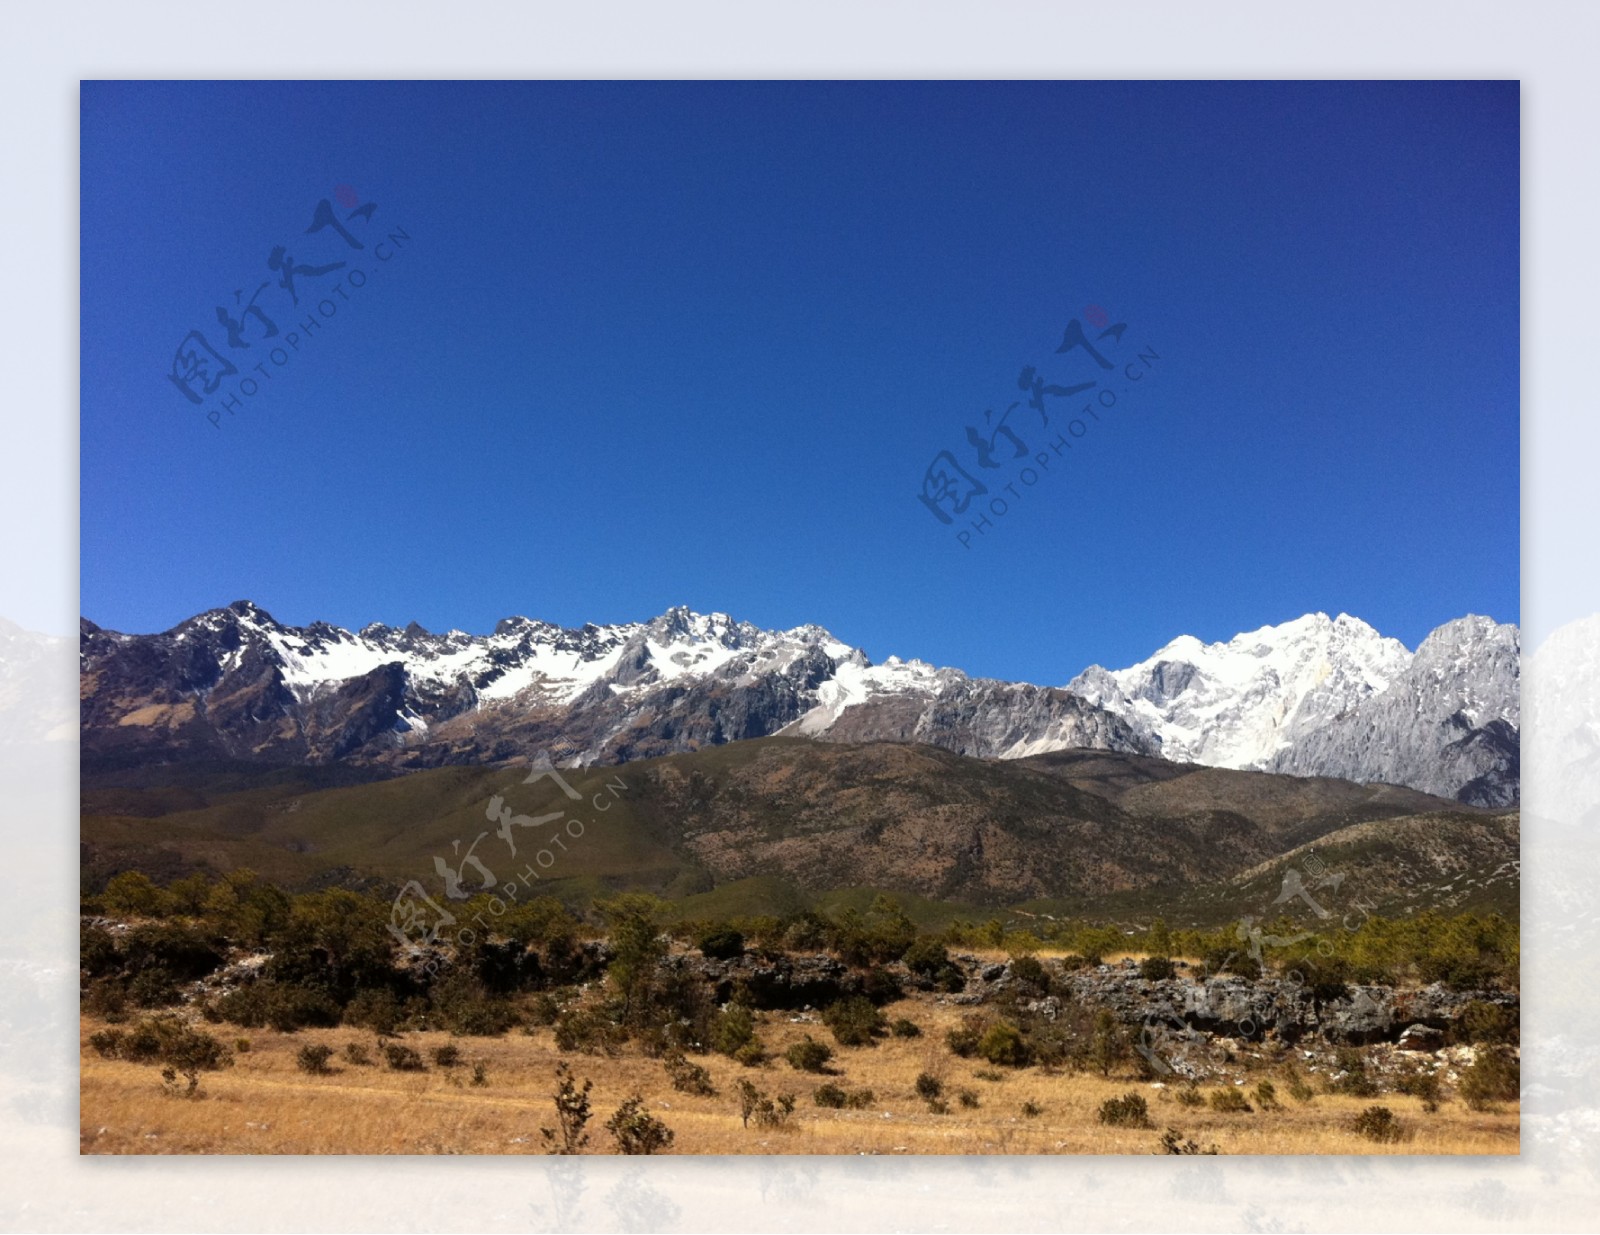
{"points": [[1317, 696]]}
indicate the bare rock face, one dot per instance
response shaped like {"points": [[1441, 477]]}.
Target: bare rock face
{"points": [[1448, 724]]}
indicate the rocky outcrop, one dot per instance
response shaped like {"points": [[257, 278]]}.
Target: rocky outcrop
{"points": [[1235, 1007]]}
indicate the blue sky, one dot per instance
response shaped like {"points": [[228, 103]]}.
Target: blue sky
{"points": [[652, 343]]}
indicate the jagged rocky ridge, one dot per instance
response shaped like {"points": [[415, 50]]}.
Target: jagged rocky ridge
{"points": [[1316, 696]]}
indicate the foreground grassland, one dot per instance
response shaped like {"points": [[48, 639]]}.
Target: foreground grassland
{"points": [[264, 1103]]}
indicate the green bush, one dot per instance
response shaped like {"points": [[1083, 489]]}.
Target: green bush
{"points": [[636, 1131], [1157, 968], [1421, 1082], [688, 1077], [1494, 1076], [1028, 971], [968, 1098], [1173, 1142], [313, 1058], [1004, 1045], [1229, 1102], [1354, 1080], [768, 1112], [903, 1028], [734, 1028], [836, 1098], [929, 1087], [1377, 1123], [357, 1054], [927, 957], [855, 1021], [1128, 1111], [721, 943], [282, 1006], [1032, 1110], [964, 1038], [447, 1056], [751, 1055], [107, 1042], [809, 1055], [480, 1073], [402, 1058], [1190, 1095], [588, 1030], [1267, 1096], [1485, 1023]]}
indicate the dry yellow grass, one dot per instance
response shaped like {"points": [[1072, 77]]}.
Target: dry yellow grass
{"points": [[265, 1104]]}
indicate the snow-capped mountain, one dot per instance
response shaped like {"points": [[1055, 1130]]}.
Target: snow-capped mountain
{"points": [[1323, 696], [234, 683], [1314, 696]]}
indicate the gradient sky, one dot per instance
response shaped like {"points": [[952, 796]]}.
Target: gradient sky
{"points": [[655, 343]]}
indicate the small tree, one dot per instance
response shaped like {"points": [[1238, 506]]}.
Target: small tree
{"points": [[1109, 1045], [572, 1115], [313, 1058], [636, 1131]]}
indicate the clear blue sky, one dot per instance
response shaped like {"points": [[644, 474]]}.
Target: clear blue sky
{"points": [[655, 344]]}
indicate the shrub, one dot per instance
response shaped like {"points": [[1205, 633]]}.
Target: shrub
{"points": [[963, 1040], [374, 1008], [1377, 1123], [1027, 970], [968, 1098], [855, 1021], [1109, 1044], [989, 1074], [751, 1055], [929, 1087], [1354, 1079], [313, 1058], [880, 986], [809, 1056], [1487, 1023], [1128, 1111], [1003, 1044], [1420, 1082], [1267, 1096], [357, 1054], [721, 943], [402, 1058], [480, 1073], [903, 1028], [1032, 1109], [572, 1115], [1229, 1102], [447, 1056], [283, 1006], [1494, 1076], [636, 1131], [108, 1042], [1298, 1089], [734, 1028], [241, 1046], [1190, 1095], [686, 1076], [767, 1112], [927, 957], [1156, 968], [587, 1030], [834, 1097], [1172, 1142]]}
